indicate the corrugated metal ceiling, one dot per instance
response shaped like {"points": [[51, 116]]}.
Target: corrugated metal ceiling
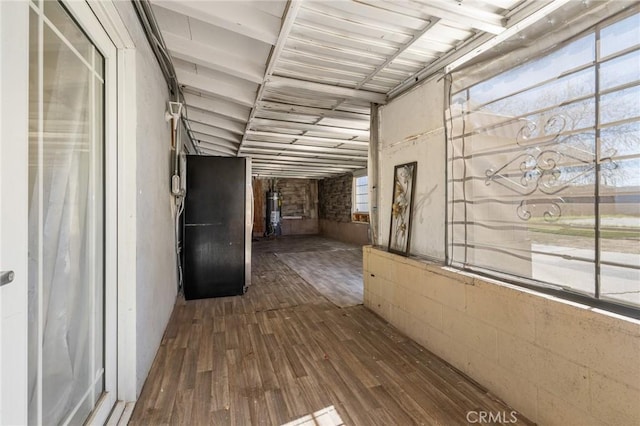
{"points": [[290, 83]]}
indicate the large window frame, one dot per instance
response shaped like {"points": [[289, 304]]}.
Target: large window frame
{"points": [[459, 197]]}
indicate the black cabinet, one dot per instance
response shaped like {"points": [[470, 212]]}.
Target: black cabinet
{"points": [[217, 242]]}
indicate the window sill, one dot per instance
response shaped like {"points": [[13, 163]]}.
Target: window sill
{"points": [[360, 217]]}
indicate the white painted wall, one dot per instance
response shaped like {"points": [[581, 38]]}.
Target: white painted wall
{"points": [[156, 277], [412, 129], [556, 362]]}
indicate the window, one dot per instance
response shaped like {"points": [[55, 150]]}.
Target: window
{"points": [[544, 169], [360, 199]]}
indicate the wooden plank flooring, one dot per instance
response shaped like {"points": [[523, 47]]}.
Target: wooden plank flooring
{"points": [[283, 351], [336, 272]]}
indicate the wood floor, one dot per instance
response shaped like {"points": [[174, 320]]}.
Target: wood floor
{"points": [[332, 268], [283, 352]]}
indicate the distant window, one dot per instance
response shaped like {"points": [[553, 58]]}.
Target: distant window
{"points": [[360, 197]]}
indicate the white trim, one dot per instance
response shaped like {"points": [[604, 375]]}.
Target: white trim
{"points": [[127, 221], [126, 214], [108, 16], [360, 173], [125, 192], [14, 177], [91, 208], [103, 404], [354, 188], [40, 286], [87, 19]]}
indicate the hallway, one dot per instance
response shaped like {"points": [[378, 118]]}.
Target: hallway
{"points": [[283, 351]]}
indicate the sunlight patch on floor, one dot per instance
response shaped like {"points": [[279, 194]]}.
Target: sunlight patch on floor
{"points": [[327, 416]]}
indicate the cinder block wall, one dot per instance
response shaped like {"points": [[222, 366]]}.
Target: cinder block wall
{"points": [[556, 362], [335, 196]]}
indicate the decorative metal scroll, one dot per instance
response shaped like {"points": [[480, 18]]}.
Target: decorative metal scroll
{"points": [[548, 165], [551, 131]]}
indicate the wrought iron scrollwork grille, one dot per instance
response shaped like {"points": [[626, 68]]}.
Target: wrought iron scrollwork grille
{"points": [[546, 168]]}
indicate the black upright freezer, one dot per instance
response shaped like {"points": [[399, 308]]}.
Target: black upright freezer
{"points": [[217, 227]]}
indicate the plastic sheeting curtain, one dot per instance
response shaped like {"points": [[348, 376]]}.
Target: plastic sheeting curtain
{"points": [[66, 232], [543, 165]]}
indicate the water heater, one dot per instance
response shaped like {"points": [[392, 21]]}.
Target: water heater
{"points": [[274, 215]]}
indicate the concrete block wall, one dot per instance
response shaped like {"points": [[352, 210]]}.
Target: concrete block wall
{"points": [[334, 196], [299, 197], [556, 362], [348, 232]]}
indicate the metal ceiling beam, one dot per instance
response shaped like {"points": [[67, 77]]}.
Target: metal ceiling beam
{"points": [[309, 166], [214, 141], [289, 18], [302, 160], [232, 16], [203, 147], [230, 92], [502, 4], [321, 112], [304, 138], [216, 106], [195, 115], [371, 16], [214, 131], [259, 168], [282, 171], [281, 124], [319, 166], [469, 45], [462, 13], [401, 49], [306, 168], [303, 154], [327, 89], [313, 119], [509, 32], [210, 57], [308, 148], [270, 174], [288, 174]]}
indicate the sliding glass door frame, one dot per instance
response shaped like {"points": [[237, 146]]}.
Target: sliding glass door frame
{"points": [[86, 19]]}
